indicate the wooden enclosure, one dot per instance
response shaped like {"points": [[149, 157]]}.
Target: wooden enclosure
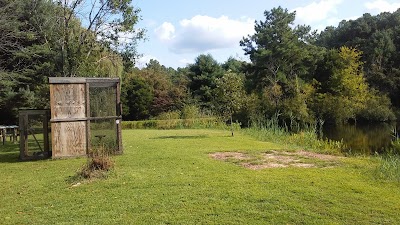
{"points": [[85, 114]]}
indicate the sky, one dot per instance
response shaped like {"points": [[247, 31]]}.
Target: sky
{"points": [[180, 30]]}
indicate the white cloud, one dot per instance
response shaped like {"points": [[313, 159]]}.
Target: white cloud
{"points": [[203, 33], [165, 32], [185, 61], [382, 6], [142, 61], [317, 11]]}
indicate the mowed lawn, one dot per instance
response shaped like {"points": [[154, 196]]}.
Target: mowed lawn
{"points": [[168, 177]]}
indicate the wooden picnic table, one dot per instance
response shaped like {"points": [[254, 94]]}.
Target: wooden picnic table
{"points": [[11, 131]]}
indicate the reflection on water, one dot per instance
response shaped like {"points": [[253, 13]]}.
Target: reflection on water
{"points": [[362, 138]]}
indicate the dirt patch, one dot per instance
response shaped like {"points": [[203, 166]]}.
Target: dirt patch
{"points": [[278, 159], [229, 155]]}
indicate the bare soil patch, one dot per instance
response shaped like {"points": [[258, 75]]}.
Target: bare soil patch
{"points": [[278, 159]]}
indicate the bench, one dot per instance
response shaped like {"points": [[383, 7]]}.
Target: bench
{"points": [[11, 131]]}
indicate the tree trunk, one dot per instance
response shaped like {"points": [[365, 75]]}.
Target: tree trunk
{"points": [[231, 126]]}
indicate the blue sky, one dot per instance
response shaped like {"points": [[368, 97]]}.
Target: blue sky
{"points": [[178, 30]]}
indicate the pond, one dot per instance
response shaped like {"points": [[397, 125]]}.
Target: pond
{"points": [[362, 138]]}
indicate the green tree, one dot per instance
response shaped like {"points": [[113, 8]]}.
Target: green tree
{"points": [[283, 58], [202, 79], [136, 96], [108, 24], [230, 95], [345, 92]]}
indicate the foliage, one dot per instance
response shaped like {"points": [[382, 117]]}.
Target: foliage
{"points": [[282, 59], [376, 37], [136, 97], [110, 25], [203, 75], [50, 38], [196, 123], [230, 95], [270, 130], [344, 93], [98, 164]]}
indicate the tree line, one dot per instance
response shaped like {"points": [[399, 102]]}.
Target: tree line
{"points": [[343, 74], [346, 73]]}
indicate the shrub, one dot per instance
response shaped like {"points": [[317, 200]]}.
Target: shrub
{"points": [[98, 164], [211, 122]]}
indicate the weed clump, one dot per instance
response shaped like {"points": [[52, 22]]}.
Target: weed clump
{"points": [[98, 165]]}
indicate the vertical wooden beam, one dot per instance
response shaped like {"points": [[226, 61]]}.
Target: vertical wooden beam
{"points": [[87, 100], [119, 113], [23, 133], [15, 134], [52, 115], [4, 134], [46, 132]]}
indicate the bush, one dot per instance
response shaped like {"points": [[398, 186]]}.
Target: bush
{"points": [[98, 164], [172, 115], [211, 122]]}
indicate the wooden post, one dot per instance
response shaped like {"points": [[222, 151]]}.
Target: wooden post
{"points": [[88, 137], [46, 132], [23, 133], [4, 132], [3, 135], [119, 121], [15, 134]]}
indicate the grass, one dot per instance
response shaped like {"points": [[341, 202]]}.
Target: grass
{"points": [[167, 177]]}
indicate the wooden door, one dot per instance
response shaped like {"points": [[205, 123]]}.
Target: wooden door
{"points": [[68, 117]]}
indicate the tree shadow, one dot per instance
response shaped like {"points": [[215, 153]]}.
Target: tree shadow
{"points": [[9, 152], [183, 137]]}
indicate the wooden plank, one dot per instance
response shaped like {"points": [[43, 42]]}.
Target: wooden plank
{"points": [[70, 140], [83, 80], [67, 80], [84, 119], [46, 132], [68, 102], [33, 111], [87, 98], [3, 134], [119, 121], [23, 139]]}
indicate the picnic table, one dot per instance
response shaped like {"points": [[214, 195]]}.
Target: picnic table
{"points": [[11, 131]]}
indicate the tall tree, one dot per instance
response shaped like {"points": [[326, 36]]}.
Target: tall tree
{"points": [[282, 58], [107, 24], [202, 79], [230, 95]]}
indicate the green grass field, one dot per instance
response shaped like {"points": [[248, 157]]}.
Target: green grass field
{"points": [[168, 177]]}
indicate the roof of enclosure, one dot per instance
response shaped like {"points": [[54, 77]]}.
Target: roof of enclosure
{"points": [[103, 82]]}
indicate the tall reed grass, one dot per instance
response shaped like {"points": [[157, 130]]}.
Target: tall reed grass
{"points": [[389, 163], [307, 137]]}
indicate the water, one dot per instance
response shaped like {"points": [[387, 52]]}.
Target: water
{"points": [[362, 138]]}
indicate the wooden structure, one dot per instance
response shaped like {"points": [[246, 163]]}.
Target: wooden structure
{"points": [[34, 122], [10, 131], [82, 111]]}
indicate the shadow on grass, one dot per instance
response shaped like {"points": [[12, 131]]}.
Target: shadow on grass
{"points": [[9, 153], [183, 137]]}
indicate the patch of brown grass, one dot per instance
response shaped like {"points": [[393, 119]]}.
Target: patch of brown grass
{"points": [[97, 165], [278, 159]]}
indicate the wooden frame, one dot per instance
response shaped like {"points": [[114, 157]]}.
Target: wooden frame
{"points": [[24, 131], [71, 115]]}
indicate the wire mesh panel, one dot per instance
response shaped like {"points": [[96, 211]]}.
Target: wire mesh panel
{"points": [[34, 134], [103, 135], [102, 101], [103, 117]]}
